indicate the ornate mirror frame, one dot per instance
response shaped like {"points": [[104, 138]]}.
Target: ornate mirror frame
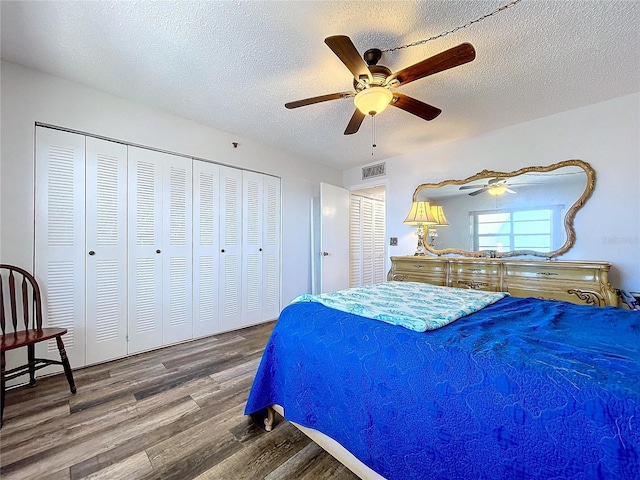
{"points": [[568, 218]]}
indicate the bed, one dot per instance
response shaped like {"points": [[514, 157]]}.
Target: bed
{"points": [[520, 389]]}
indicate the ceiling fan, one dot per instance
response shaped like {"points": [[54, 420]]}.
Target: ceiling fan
{"points": [[494, 186], [373, 84]]}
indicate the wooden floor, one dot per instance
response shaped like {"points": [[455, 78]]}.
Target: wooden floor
{"points": [[174, 413]]}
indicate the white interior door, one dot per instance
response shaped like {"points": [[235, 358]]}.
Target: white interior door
{"points": [[145, 249], [230, 275], [206, 250], [334, 238], [60, 239], [106, 250], [271, 248], [252, 202], [177, 249]]}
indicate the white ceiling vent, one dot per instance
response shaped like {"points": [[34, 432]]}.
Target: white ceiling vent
{"points": [[371, 171]]}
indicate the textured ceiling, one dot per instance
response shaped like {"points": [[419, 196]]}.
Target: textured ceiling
{"points": [[233, 65]]}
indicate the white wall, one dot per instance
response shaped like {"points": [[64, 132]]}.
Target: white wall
{"points": [[28, 96], [606, 135]]}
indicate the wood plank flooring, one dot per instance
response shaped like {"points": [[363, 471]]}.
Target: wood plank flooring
{"points": [[174, 413]]}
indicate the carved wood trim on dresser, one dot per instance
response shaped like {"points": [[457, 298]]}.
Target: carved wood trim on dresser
{"points": [[571, 281]]}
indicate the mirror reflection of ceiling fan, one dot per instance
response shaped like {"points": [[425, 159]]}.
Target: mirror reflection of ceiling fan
{"points": [[494, 186], [374, 84]]}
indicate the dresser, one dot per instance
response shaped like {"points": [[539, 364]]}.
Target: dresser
{"points": [[571, 281]]}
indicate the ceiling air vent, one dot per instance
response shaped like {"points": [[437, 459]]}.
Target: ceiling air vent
{"points": [[371, 171]]}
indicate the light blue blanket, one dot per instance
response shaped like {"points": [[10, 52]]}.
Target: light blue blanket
{"points": [[416, 306]]}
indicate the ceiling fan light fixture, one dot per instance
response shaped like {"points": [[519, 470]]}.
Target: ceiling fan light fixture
{"points": [[373, 100], [497, 189]]}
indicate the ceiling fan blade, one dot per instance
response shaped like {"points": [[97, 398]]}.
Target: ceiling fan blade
{"points": [[467, 187], [508, 190], [477, 192], [354, 123], [418, 108], [346, 51], [453, 57], [321, 98]]}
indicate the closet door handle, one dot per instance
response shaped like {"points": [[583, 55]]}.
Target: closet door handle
{"points": [[260, 249], [222, 250], [91, 252], [158, 251]]}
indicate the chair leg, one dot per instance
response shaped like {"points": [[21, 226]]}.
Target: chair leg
{"points": [[2, 369], [66, 365], [31, 356]]}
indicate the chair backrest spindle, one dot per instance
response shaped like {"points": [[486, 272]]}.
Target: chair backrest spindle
{"points": [[2, 319], [25, 303], [12, 301]]}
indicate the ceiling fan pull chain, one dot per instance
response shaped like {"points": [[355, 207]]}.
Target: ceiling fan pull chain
{"points": [[373, 134], [453, 30]]}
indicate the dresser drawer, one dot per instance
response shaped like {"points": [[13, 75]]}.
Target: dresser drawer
{"points": [[410, 269], [407, 265], [475, 268], [549, 271], [581, 297]]}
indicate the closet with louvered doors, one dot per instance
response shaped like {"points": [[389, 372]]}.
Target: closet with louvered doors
{"points": [[136, 249], [366, 240]]}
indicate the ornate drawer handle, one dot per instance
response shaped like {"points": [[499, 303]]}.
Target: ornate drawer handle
{"points": [[473, 285], [417, 265], [475, 270], [546, 274]]}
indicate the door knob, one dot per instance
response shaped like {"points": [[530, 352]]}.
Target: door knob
{"points": [[158, 251], [325, 254], [91, 252]]}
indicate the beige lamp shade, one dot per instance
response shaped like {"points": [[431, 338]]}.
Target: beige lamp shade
{"points": [[438, 214], [373, 100], [420, 214]]}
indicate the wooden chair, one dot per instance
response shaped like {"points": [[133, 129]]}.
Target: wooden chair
{"points": [[29, 307]]}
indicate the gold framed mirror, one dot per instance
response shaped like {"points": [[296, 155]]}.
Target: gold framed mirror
{"points": [[504, 214]]}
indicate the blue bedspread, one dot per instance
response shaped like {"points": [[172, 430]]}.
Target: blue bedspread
{"points": [[523, 389]]}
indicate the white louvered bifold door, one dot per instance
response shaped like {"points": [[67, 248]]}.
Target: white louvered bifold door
{"points": [[271, 221], [145, 249], [379, 235], [206, 250], [106, 250], [366, 219], [252, 248], [230, 286], [355, 242], [177, 250], [59, 239]]}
